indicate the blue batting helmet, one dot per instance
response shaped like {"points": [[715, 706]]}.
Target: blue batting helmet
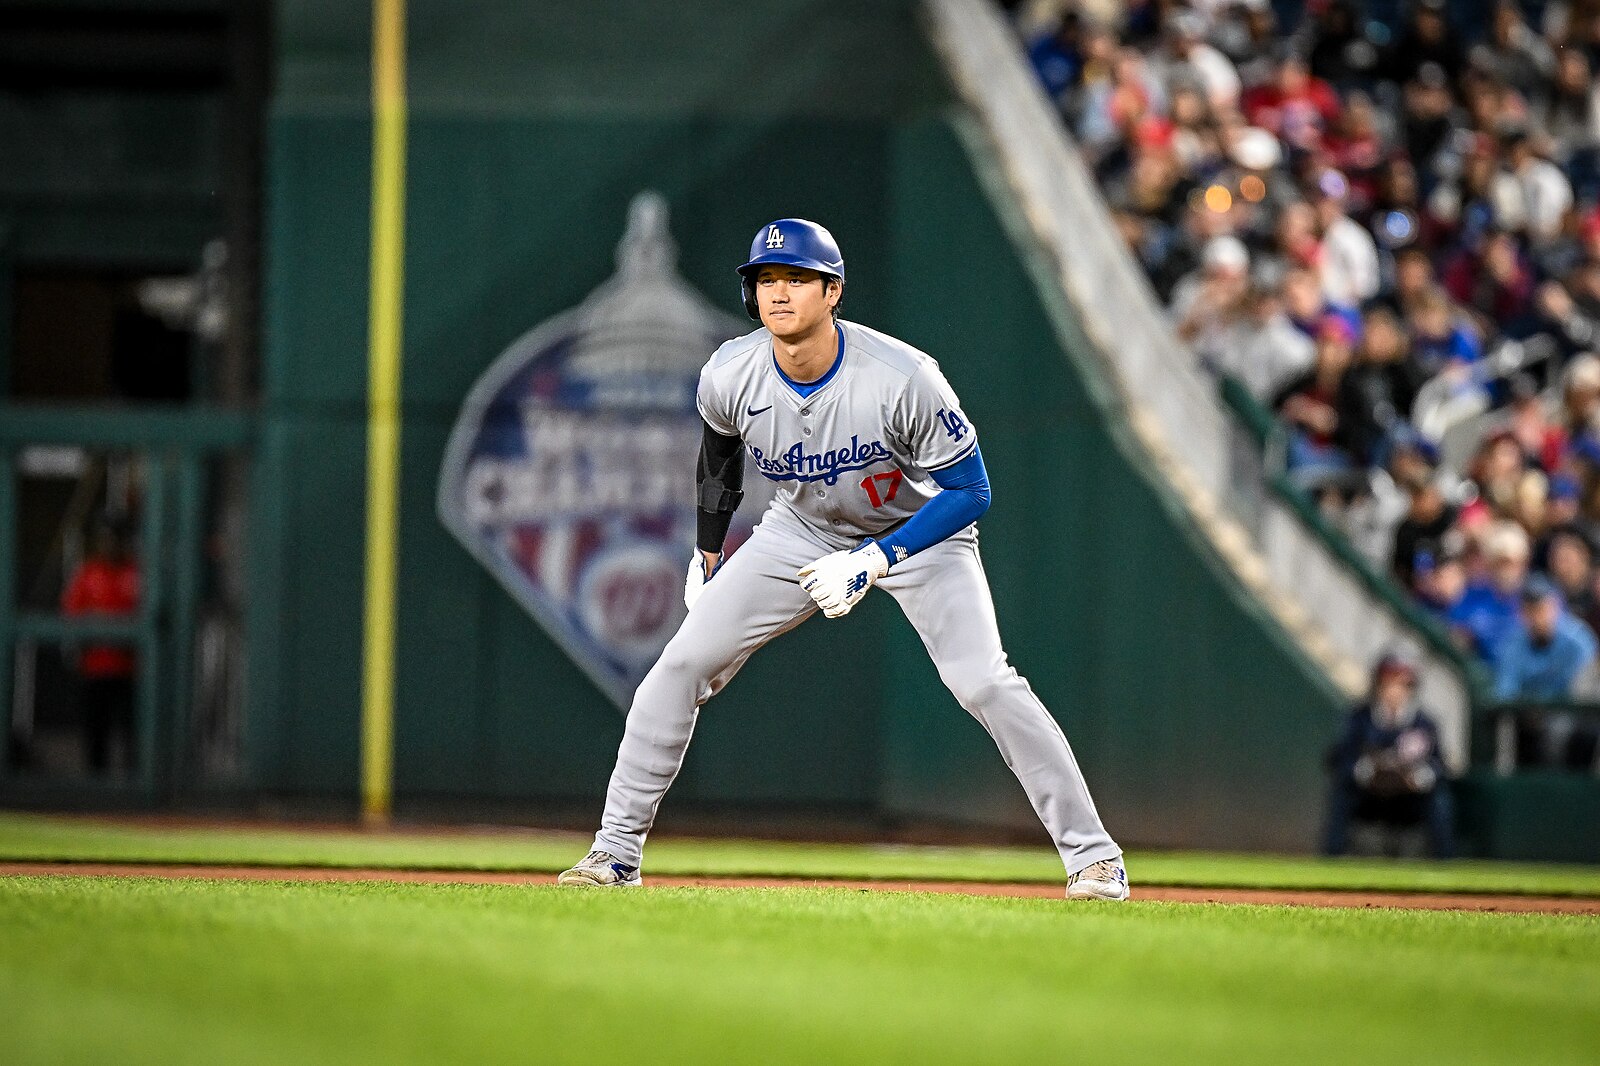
{"points": [[791, 242]]}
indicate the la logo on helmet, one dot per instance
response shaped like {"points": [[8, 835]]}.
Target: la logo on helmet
{"points": [[774, 237]]}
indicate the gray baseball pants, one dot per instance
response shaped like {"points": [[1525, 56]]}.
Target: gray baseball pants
{"points": [[756, 596]]}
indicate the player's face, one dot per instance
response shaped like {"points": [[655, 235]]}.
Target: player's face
{"points": [[793, 300]]}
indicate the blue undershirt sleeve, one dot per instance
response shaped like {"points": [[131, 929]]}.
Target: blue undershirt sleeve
{"points": [[964, 499]]}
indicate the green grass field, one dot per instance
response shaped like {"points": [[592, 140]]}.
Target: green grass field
{"points": [[146, 970], [150, 971]]}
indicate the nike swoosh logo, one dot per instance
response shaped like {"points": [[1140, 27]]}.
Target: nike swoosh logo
{"points": [[752, 412]]}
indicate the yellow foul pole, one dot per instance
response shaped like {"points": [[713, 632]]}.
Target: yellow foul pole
{"points": [[383, 403]]}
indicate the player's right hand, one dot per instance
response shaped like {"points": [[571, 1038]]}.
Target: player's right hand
{"points": [[701, 570]]}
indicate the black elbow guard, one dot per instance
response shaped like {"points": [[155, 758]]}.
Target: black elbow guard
{"points": [[720, 473], [718, 477], [718, 498]]}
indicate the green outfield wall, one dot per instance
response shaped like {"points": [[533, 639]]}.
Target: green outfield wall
{"points": [[531, 128]]}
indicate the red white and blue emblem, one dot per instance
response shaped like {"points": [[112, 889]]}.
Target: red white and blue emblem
{"points": [[570, 471]]}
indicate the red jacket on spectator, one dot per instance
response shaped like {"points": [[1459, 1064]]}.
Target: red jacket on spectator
{"points": [[1300, 119], [1500, 294], [1358, 159], [102, 587]]}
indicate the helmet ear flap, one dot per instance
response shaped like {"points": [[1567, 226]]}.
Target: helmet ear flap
{"points": [[747, 286]]}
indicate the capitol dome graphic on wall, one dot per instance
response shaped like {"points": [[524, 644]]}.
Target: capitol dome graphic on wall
{"points": [[569, 473]]}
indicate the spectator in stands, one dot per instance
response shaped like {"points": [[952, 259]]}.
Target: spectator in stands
{"points": [[1514, 54], [1441, 341], [1356, 149], [1304, 303], [1349, 255], [1430, 518], [1378, 391], [1539, 438], [1298, 246], [1489, 609], [1573, 325], [1536, 194], [1563, 508], [1196, 143], [1569, 22], [1530, 502], [1111, 106], [1583, 280], [1497, 471], [1420, 543], [1569, 559], [1440, 581], [1187, 58], [1152, 187], [1395, 215], [1490, 106], [1261, 347], [1446, 351], [1146, 240], [1494, 281], [1247, 35], [1310, 403], [1592, 616], [1425, 125], [106, 585], [1186, 244], [1205, 302], [1583, 459], [1057, 55], [1580, 399], [1413, 280], [1543, 655], [1296, 107], [1387, 767], [1428, 39], [1340, 52], [1569, 121], [1462, 210]]}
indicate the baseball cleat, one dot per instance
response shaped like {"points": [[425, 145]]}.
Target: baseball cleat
{"points": [[600, 869], [1105, 880]]}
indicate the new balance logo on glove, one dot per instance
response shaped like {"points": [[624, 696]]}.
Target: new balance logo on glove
{"points": [[836, 581]]}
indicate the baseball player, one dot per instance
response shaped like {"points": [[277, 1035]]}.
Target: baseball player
{"points": [[879, 481]]}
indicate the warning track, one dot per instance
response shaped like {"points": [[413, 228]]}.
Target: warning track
{"points": [[1176, 894]]}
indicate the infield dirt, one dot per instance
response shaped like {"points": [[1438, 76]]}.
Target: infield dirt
{"points": [[1279, 897]]}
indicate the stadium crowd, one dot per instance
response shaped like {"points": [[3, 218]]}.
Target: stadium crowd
{"points": [[1381, 220]]}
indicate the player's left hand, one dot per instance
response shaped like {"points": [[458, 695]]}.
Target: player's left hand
{"points": [[838, 581], [702, 568]]}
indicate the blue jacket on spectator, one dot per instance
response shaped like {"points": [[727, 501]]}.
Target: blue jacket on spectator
{"points": [[1056, 66], [1432, 353], [1526, 671], [1490, 616], [1310, 326]]}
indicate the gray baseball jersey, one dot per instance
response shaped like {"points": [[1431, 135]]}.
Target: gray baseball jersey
{"points": [[853, 458]]}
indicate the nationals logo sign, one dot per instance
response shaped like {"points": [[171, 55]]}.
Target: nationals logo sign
{"points": [[570, 473]]}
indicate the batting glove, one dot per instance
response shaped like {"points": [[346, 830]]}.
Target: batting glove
{"points": [[838, 581], [694, 582]]}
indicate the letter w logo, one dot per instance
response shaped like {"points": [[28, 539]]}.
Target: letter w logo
{"points": [[774, 237], [857, 583]]}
